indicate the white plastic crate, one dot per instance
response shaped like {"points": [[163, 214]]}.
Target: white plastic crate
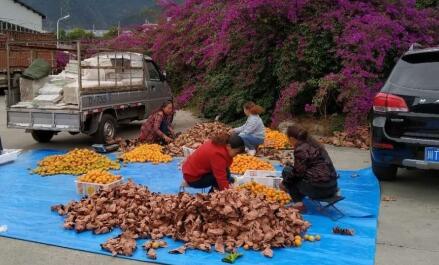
{"points": [[187, 151], [9, 155], [88, 189], [265, 177]]}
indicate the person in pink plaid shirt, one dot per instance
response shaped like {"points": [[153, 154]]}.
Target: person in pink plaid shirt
{"points": [[157, 128]]}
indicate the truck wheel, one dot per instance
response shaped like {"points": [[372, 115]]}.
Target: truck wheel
{"points": [[384, 172], [107, 129], [42, 136]]}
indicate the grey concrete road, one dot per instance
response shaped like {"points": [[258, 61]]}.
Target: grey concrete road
{"points": [[13, 138], [408, 227]]}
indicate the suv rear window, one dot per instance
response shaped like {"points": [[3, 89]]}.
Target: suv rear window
{"points": [[417, 71]]}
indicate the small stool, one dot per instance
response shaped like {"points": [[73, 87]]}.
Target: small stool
{"points": [[183, 186], [323, 206]]}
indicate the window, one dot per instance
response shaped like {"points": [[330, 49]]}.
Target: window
{"points": [[152, 70], [418, 71]]}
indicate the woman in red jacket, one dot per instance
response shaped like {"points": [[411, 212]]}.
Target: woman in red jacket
{"points": [[209, 165]]}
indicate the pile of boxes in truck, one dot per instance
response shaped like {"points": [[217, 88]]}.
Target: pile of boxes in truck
{"points": [[102, 72], [89, 97]]}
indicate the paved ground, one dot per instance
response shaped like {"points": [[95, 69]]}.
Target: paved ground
{"points": [[407, 227]]}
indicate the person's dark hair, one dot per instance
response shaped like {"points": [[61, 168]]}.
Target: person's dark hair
{"points": [[166, 103], [253, 108], [302, 135], [234, 140], [220, 138], [163, 106]]}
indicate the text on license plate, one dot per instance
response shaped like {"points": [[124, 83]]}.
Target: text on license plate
{"points": [[432, 154]]}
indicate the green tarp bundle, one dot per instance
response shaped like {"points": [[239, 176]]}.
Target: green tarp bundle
{"points": [[38, 69]]}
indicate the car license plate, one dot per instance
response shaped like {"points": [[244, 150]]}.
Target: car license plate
{"points": [[432, 154]]}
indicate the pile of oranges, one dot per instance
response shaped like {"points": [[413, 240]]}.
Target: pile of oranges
{"points": [[146, 153], [242, 163], [99, 177], [75, 162], [270, 194], [275, 139]]}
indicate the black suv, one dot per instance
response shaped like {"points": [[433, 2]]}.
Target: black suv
{"points": [[405, 125]]}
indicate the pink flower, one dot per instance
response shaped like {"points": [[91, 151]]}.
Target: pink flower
{"points": [[235, 47], [310, 108]]}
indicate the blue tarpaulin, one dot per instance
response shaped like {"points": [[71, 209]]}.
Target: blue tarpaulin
{"points": [[25, 201]]}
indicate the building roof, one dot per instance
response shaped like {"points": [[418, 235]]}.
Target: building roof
{"points": [[30, 8]]}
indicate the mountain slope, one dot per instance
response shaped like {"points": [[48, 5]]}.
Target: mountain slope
{"points": [[86, 13]]}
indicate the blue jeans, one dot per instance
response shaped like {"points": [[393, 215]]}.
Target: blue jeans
{"points": [[250, 141]]}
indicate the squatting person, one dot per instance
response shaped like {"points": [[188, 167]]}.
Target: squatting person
{"points": [[253, 131], [157, 128], [209, 165], [312, 174]]}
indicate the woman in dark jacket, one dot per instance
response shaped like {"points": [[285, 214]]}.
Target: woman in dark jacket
{"points": [[312, 174], [157, 128]]}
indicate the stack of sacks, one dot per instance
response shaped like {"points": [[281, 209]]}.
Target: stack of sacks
{"points": [[92, 74], [51, 93], [29, 88], [46, 100], [50, 89]]}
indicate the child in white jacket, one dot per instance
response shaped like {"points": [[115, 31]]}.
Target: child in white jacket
{"points": [[253, 131]]}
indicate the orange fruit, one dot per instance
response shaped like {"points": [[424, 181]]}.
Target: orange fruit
{"points": [[146, 153], [77, 161], [275, 139]]}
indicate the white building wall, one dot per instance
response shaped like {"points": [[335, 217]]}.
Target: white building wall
{"points": [[15, 13]]}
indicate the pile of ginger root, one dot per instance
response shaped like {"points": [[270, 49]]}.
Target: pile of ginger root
{"points": [[223, 220]]}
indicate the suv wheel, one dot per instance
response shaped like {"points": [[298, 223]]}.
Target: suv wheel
{"points": [[42, 136], [384, 172], [107, 129]]}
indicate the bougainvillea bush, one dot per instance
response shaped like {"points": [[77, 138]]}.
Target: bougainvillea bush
{"points": [[290, 56]]}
